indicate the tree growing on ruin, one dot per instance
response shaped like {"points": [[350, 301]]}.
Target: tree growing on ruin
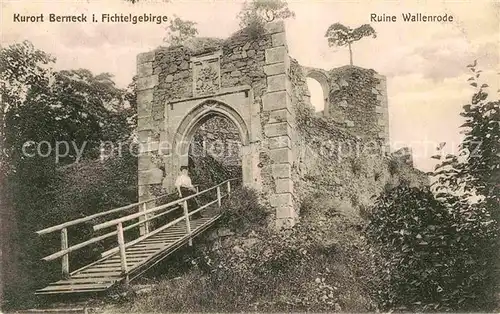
{"points": [[179, 31], [256, 13], [341, 35]]}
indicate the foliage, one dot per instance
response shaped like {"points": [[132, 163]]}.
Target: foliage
{"points": [[179, 31], [256, 13], [340, 35], [439, 247], [242, 216], [73, 107], [315, 266]]}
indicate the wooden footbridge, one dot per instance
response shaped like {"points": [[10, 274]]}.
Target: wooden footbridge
{"points": [[130, 258]]}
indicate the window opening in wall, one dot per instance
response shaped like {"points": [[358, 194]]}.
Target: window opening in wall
{"points": [[317, 94]]}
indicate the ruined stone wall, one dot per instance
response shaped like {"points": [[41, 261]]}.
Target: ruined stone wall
{"points": [[349, 163], [219, 138], [284, 145], [355, 98], [244, 77]]}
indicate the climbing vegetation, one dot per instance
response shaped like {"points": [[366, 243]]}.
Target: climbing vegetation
{"points": [[440, 245]]}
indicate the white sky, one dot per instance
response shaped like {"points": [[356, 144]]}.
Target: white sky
{"points": [[424, 62]]}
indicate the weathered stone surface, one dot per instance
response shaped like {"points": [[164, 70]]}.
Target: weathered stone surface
{"points": [[146, 57], [277, 129], [276, 68], [281, 171], [284, 223], [147, 82], [279, 142], [144, 123], [276, 83], [276, 55], [349, 123], [343, 104], [276, 100], [284, 186], [151, 176], [274, 27], [281, 155], [236, 73], [169, 78], [379, 109], [150, 146], [381, 122], [144, 107], [144, 96], [285, 212], [278, 39], [282, 115], [144, 136], [144, 69], [145, 162], [281, 200]]}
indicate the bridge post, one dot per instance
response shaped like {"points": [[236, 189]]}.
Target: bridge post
{"points": [[188, 224], [123, 256], [65, 258], [218, 196], [144, 228]]}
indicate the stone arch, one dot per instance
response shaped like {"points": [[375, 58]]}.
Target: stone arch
{"points": [[199, 115], [322, 79]]}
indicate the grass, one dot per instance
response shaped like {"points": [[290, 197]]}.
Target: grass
{"points": [[320, 265]]}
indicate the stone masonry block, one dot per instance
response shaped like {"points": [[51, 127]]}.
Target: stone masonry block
{"points": [[151, 176], [144, 109], [276, 68], [277, 129], [282, 115], [276, 83], [149, 147], [274, 27], [146, 57], [280, 142], [144, 135], [147, 82], [145, 96], [144, 123], [284, 223], [281, 155], [284, 185], [381, 122], [379, 109], [276, 100], [281, 171], [145, 162], [285, 212], [144, 69], [281, 200], [278, 39], [276, 55]]}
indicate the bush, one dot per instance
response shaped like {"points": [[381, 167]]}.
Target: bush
{"points": [[243, 211], [314, 266], [432, 254]]}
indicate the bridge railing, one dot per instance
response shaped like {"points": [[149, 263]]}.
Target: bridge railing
{"points": [[143, 217], [183, 202], [63, 228]]}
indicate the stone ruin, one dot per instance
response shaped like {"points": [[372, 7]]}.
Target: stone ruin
{"points": [[251, 82]]}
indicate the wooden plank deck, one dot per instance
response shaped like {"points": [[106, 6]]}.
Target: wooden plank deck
{"points": [[105, 273]]}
